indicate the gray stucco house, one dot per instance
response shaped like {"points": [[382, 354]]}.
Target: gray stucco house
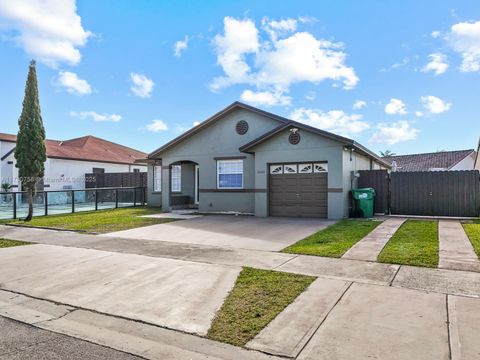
{"points": [[247, 160]]}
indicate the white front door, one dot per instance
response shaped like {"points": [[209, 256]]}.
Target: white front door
{"points": [[197, 179]]}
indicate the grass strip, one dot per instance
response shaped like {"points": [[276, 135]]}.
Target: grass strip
{"points": [[256, 299], [414, 243], [335, 240], [5, 243], [473, 232]]}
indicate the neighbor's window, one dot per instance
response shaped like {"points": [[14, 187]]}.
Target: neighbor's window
{"points": [[230, 174], [176, 178], [157, 178]]}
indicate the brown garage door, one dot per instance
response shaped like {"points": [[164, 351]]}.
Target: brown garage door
{"points": [[298, 190]]}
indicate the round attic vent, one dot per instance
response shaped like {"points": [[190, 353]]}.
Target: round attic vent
{"points": [[294, 137], [242, 127]]}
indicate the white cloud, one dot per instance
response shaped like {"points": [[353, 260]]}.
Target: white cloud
{"points": [[359, 104], [240, 38], [434, 104], [336, 121], [49, 30], [464, 38], [280, 60], [310, 95], [180, 46], [73, 84], [277, 28], [265, 98], [393, 133], [93, 115], [396, 107], [195, 123], [142, 86], [418, 113], [435, 34], [438, 63], [156, 126]]}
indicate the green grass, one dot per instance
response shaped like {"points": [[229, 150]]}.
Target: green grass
{"points": [[335, 240], [414, 243], [4, 243], [101, 221], [473, 233], [256, 299]]}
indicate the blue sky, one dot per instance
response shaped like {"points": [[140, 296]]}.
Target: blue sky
{"points": [[110, 69]]}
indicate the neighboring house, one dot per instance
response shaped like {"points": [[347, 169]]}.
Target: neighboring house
{"points": [[247, 160], [437, 161], [477, 157], [68, 161]]}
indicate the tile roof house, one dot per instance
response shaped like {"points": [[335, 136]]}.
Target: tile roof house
{"points": [[243, 159], [437, 161], [68, 161]]}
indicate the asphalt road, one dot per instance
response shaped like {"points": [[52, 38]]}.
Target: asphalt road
{"points": [[21, 341]]}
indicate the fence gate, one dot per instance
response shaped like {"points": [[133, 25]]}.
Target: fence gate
{"points": [[429, 193], [379, 180]]}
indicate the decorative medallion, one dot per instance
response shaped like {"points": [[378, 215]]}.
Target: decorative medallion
{"points": [[242, 127], [294, 137]]}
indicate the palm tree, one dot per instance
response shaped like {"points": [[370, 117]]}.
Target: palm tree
{"points": [[387, 153]]}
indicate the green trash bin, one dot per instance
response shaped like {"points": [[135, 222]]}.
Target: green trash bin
{"points": [[364, 201]]}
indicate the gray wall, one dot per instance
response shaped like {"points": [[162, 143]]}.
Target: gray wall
{"points": [[312, 147], [216, 140]]}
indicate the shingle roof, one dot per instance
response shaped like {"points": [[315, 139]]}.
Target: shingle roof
{"points": [[428, 161], [88, 148]]}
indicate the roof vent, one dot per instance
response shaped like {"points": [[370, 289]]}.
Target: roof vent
{"points": [[242, 127]]}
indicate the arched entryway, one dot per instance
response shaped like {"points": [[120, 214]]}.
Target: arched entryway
{"points": [[184, 185]]}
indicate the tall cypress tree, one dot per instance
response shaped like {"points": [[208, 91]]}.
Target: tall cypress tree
{"points": [[30, 151]]}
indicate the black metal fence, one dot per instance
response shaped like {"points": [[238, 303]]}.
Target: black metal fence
{"points": [[428, 193], [14, 204]]}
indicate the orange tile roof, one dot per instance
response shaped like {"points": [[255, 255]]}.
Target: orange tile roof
{"points": [[87, 148]]}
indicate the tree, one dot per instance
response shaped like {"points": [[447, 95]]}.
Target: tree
{"points": [[30, 152], [387, 153]]}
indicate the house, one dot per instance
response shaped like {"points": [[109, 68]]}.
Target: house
{"points": [[68, 161], [477, 157], [247, 160], [437, 161]]}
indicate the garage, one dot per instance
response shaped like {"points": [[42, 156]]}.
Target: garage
{"points": [[298, 189]]}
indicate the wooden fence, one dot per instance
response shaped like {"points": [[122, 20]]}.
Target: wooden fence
{"points": [[429, 193], [114, 180]]}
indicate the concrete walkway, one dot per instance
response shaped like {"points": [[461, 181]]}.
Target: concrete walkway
{"points": [[456, 250], [371, 245]]}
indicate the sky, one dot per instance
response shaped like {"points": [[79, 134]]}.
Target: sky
{"points": [[402, 76]]}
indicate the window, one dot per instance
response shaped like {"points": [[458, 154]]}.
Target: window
{"points": [[136, 170], [230, 174], [98, 170], [157, 178], [176, 178]]}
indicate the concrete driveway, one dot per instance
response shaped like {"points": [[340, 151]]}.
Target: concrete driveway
{"points": [[243, 232], [176, 294]]}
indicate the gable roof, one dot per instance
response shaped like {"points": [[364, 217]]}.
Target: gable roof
{"points": [[428, 161], [283, 124], [87, 148], [213, 118], [291, 123]]}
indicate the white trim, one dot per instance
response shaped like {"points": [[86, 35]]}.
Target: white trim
{"points": [[196, 184], [219, 162]]}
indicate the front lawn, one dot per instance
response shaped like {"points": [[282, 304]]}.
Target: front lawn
{"points": [[4, 243], [473, 233], [256, 299], [414, 243], [335, 240], [101, 221]]}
